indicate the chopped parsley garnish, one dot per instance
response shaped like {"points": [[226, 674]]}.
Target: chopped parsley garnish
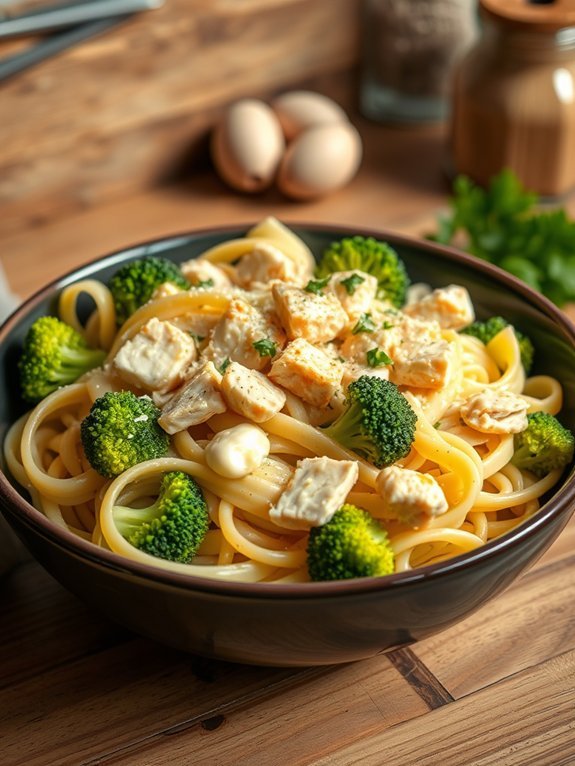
{"points": [[364, 324], [204, 283], [316, 285], [265, 347], [387, 325], [196, 337], [224, 365], [378, 358], [352, 283]]}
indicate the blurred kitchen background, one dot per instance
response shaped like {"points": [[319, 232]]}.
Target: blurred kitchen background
{"points": [[131, 108]]}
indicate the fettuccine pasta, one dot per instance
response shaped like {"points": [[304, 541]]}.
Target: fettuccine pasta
{"points": [[485, 494]]}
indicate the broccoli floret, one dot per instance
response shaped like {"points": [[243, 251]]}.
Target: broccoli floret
{"points": [[122, 430], [486, 331], [351, 544], [133, 284], [374, 257], [54, 355], [544, 445], [171, 528], [378, 422]]}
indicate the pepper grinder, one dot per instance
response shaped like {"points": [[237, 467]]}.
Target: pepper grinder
{"points": [[409, 48], [514, 97]]}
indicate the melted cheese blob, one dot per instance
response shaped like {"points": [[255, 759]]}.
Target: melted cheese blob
{"points": [[236, 452]]}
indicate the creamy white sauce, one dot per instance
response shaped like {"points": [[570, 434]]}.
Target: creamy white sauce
{"points": [[237, 451]]}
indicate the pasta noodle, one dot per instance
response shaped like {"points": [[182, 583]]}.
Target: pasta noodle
{"points": [[486, 495]]}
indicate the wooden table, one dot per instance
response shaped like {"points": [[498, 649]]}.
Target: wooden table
{"points": [[496, 690]]}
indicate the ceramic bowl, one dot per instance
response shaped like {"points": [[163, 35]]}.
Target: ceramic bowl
{"points": [[301, 624]]}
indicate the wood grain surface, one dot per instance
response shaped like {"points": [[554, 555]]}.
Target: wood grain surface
{"points": [[40, 245], [498, 689], [121, 111]]}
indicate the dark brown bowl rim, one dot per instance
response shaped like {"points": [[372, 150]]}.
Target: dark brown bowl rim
{"points": [[558, 504]]}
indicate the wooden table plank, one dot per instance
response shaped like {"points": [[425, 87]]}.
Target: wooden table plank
{"points": [[44, 626], [138, 693], [526, 720], [530, 622], [129, 692], [400, 181], [120, 111], [342, 705]]}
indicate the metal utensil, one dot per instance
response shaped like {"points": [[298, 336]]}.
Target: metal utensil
{"points": [[56, 43], [12, 8], [60, 16]]}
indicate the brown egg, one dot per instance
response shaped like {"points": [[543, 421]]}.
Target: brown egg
{"points": [[301, 109], [320, 160], [247, 145]]}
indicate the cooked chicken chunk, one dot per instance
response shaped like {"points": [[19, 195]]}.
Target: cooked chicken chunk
{"points": [[450, 306], [317, 318], [416, 292], [165, 290], [240, 327], [422, 365], [412, 497], [261, 298], [251, 394], [194, 402], [495, 412], [199, 326], [200, 270], [156, 357], [307, 372], [317, 489], [391, 333], [400, 328], [355, 290], [264, 263], [355, 347], [353, 372]]}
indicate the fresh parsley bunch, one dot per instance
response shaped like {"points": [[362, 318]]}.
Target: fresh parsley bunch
{"points": [[501, 224]]}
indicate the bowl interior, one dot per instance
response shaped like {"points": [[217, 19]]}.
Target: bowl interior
{"points": [[493, 293]]}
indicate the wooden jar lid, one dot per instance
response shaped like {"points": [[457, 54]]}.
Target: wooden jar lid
{"points": [[542, 15]]}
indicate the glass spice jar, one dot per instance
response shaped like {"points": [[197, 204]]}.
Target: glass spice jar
{"points": [[514, 97], [409, 48]]}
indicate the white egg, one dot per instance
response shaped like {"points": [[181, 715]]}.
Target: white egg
{"points": [[298, 110], [247, 145], [237, 451], [320, 160]]}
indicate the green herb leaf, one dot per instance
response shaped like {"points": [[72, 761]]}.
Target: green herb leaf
{"points": [[204, 283], [502, 225], [378, 358], [265, 347], [316, 285], [387, 325], [364, 324], [352, 282], [224, 365]]}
